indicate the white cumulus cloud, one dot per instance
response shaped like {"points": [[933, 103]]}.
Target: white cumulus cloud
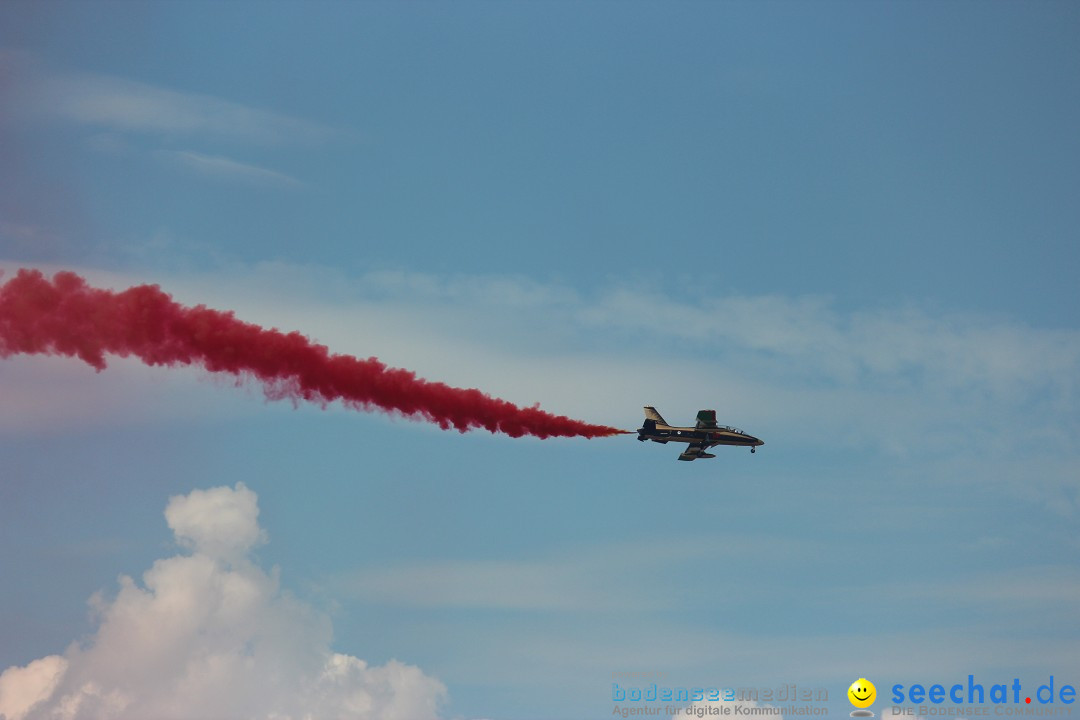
{"points": [[221, 522], [211, 635]]}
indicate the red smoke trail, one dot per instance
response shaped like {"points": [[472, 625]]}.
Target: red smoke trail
{"points": [[68, 317]]}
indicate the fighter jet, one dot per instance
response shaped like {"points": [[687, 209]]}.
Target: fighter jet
{"points": [[701, 437]]}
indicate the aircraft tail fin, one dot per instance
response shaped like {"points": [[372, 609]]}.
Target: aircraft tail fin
{"points": [[651, 414]]}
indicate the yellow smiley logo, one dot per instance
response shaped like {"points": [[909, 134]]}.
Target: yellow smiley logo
{"points": [[862, 693]]}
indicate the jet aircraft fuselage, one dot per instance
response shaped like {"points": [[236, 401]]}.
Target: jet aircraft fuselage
{"points": [[701, 437]]}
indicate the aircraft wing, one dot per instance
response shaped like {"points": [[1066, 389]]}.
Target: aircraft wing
{"points": [[706, 419], [695, 451]]}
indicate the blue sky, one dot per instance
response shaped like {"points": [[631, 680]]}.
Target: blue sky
{"points": [[848, 227]]}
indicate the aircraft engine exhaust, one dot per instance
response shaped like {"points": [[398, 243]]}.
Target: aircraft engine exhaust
{"points": [[65, 316]]}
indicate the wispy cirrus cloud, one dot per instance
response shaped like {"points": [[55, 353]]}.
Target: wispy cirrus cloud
{"points": [[123, 116], [897, 344], [800, 336], [117, 104], [598, 579], [230, 170]]}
